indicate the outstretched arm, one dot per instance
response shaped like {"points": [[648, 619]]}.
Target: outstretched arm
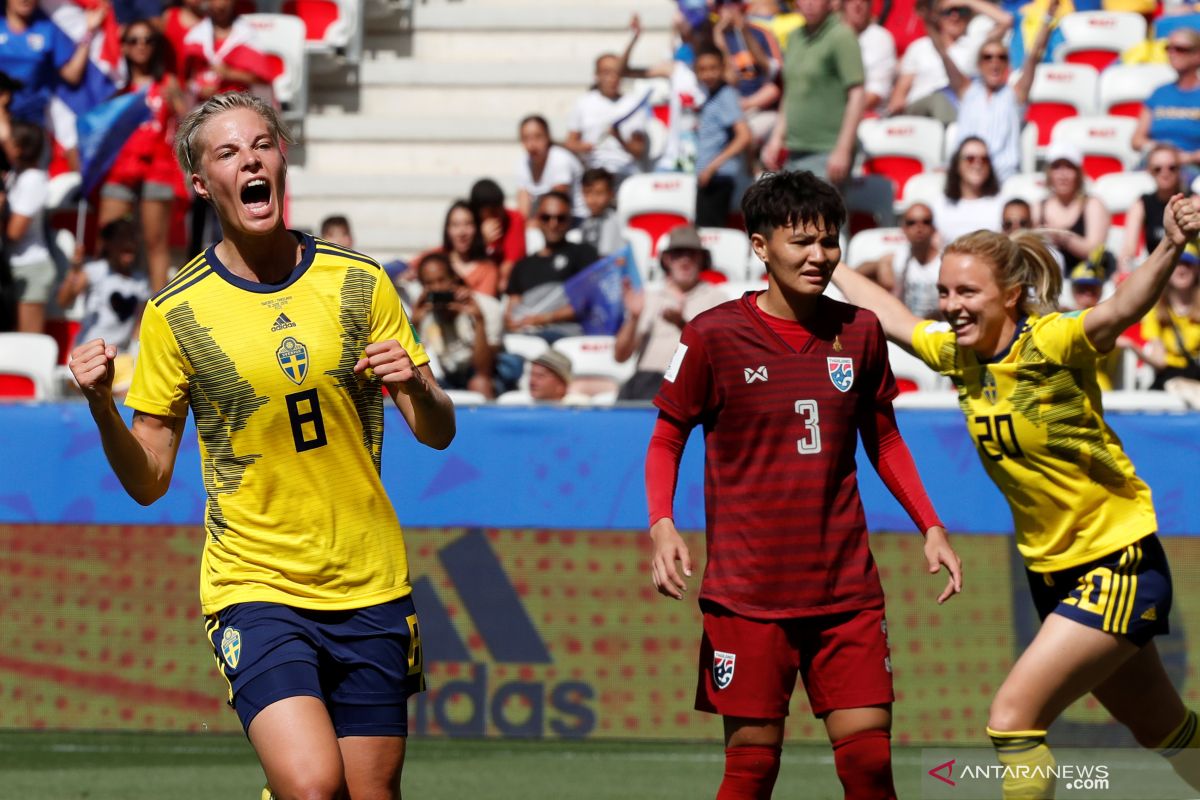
{"points": [[897, 321], [1139, 292]]}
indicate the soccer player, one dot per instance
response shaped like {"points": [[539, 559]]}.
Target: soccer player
{"points": [[784, 382], [279, 343], [1085, 524]]}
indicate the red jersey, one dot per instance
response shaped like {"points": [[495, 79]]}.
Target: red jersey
{"points": [[786, 532]]}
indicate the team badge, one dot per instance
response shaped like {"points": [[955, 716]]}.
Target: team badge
{"points": [[231, 647], [989, 386], [293, 360], [723, 668], [841, 372]]}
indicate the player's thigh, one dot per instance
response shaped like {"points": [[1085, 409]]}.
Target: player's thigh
{"points": [[373, 765], [1065, 661], [1139, 694], [749, 732], [843, 722], [298, 749], [747, 667], [846, 666]]}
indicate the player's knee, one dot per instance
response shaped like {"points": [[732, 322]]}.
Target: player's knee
{"points": [[310, 787], [1008, 713], [864, 764], [750, 772]]}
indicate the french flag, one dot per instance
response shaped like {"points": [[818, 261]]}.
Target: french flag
{"points": [[240, 51], [105, 73]]}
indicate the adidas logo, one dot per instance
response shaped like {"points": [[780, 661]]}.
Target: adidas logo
{"points": [[282, 323], [1150, 614]]}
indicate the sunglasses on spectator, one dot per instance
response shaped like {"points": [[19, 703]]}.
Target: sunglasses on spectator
{"points": [[915, 221], [554, 217], [961, 12], [1015, 224], [132, 40], [974, 159], [1180, 48], [1161, 168], [993, 57]]}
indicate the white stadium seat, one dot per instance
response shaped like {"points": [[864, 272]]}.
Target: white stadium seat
{"points": [[657, 202], [465, 397], [1098, 38], [1028, 186], [643, 254], [592, 357], [901, 147], [27, 362], [1119, 190], [730, 250], [1104, 141], [924, 188], [1059, 91], [1124, 87], [735, 289], [282, 37], [873, 244], [525, 345]]}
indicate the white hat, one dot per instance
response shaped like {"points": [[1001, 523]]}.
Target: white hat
{"points": [[1063, 150]]}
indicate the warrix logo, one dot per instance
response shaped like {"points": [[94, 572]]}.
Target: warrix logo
{"points": [[752, 375]]}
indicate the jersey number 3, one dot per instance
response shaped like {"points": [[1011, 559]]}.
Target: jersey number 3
{"points": [[308, 426], [811, 442]]}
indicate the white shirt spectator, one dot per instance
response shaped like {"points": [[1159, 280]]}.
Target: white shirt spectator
{"points": [[955, 219], [996, 119], [879, 60], [917, 281], [921, 59], [593, 116], [110, 308], [687, 95], [562, 169], [27, 196]]}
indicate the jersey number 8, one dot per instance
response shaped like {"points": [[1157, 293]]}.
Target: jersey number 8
{"points": [[308, 426]]}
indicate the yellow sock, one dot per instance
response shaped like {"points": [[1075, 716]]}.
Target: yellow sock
{"points": [[1029, 773], [266, 793], [1182, 749]]}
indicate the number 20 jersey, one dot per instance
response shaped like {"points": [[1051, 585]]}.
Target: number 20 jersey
{"points": [[1035, 416], [290, 438], [786, 532]]}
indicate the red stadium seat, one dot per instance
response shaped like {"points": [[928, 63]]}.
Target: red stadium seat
{"points": [[16, 387], [1097, 38], [1104, 141], [900, 147], [1059, 91], [1124, 87], [1118, 191], [656, 203], [27, 365], [318, 16], [281, 38]]}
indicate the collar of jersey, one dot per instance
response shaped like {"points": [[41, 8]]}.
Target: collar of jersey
{"points": [[306, 258], [1022, 324], [749, 305]]}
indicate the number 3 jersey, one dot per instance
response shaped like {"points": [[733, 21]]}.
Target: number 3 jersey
{"points": [[786, 532], [290, 437], [1035, 415]]}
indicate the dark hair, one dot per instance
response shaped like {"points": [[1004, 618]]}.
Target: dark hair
{"points": [[991, 186], [30, 140], [709, 49], [1017, 201], [158, 52], [485, 193], [477, 248], [334, 221], [537, 119], [556, 195], [117, 228], [787, 199], [435, 257], [597, 175]]}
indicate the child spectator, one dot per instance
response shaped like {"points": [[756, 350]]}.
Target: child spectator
{"points": [[114, 294], [503, 229], [544, 168], [722, 139], [28, 188], [336, 229], [601, 229]]}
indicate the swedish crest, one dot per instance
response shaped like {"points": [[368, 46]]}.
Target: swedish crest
{"points": [[722, 669], [293, 360], [231, 647], [841, 372]]}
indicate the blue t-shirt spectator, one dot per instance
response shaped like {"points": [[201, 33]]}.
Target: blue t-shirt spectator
{"points": [[128, 11], [1175, 117], [33, 57], [750, 77], [718, 115]]}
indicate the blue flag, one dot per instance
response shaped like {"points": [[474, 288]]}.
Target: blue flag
{"points": [[104, 130], [597, 293]]}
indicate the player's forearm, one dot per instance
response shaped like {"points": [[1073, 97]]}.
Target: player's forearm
{"points": [[897, 321], [662, 468], [623, 344], [856, 103], [1138, 293], [136, 467], [894, 463], [433, 418]]}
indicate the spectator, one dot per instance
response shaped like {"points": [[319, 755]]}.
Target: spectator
{"points": [[37, 54], [654, 318], [1087, 283], [146, 177], [1077, 225], [27, 189], [1016, 216], [777, 16], [549, 377], [601, 229], [176, 22], [1171, 331], [462, 244], [1143, 220], [823, 96], [878, 52], [219, 55], [971, 200], [1171, 115], [537, 303], [989, 107], [752, 62], [114, 294], [961, 27], [721, 141], [605, 130], [336, 229], [911, 271], [460, 328], [503, 229], [545, 167]]}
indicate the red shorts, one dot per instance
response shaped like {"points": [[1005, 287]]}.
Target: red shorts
{"points": [[748, 667]]}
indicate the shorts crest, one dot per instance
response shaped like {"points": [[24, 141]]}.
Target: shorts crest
{"points": [[231, 647], [722, 668]]}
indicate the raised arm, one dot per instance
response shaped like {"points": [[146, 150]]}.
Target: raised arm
{"points": [[1138, 293], [959, 82], [897, 321]]}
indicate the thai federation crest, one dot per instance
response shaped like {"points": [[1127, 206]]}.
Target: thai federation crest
{"points": [[841, 372], [723, 664], [231, 647], [293, 360]]}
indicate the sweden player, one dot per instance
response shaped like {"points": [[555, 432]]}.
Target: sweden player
{"points": [[1085, 524], [279, 342]]}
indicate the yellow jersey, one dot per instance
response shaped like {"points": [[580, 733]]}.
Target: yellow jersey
{"points": [[1188, 329], [290, 437], [1035, 415]]}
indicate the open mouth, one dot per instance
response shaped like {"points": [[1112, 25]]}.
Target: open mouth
{"points": [[256, 195]]}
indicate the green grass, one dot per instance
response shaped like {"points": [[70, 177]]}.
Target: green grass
{"points": [[112, 766]]}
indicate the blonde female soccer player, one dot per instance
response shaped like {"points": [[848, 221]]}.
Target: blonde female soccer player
{"points": [[1085, 524], [278, 342]]}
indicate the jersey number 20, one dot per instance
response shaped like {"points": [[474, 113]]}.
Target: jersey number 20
{"points": [[1002, 433], [811, 443], [308, 426]]}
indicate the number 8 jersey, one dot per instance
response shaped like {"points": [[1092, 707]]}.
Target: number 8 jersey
{"points": [[1035, 415], [786, 532], [290, 437]]}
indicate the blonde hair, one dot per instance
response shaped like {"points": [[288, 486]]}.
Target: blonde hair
{"points": [[1018, 260], [188, 133]]}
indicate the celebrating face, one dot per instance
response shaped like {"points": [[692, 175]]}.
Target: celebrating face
{"points": [[242, 171], [973, 302]]}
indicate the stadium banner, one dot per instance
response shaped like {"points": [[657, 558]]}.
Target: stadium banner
{"points": [[525, 633], [554, 468]]}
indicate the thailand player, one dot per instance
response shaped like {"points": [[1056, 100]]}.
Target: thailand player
{"points": [[279, 342], [1085, 524], [783, 383]]}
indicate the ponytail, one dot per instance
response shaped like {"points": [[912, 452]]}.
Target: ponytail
{"points": [[1021, 260]]}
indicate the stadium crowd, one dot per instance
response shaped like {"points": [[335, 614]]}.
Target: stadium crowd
{"points": [[831, 86]]}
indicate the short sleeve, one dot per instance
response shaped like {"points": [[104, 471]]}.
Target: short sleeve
{"points": [[729, 110], [688, 390], [933, 343], [63, 46], [879, 370], [388, 321], [160, 374], [909, 62], [1063, 340], [849, 61], [524, 176], [30, 193]]}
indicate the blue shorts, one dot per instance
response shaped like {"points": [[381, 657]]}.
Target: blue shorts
{"points": [[1127, 592], [362, 663]]}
